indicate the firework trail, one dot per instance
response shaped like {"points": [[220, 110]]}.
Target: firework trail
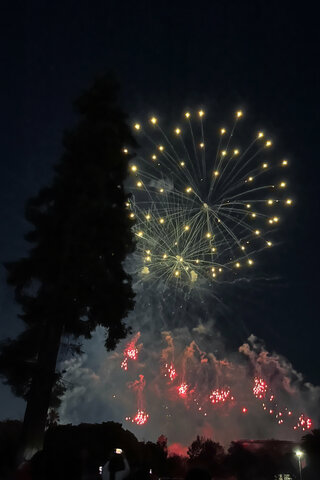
{"points": [[141, 417], [131, 352]]}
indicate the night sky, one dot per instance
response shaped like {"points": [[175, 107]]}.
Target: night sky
{"points": [[260, 56]]}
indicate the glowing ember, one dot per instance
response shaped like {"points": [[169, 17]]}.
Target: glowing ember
{"points": [[244, 410], [219, 396], [260, 388], [182, 389]]}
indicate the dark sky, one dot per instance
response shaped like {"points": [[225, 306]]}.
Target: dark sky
{"points": [[262, 56]]}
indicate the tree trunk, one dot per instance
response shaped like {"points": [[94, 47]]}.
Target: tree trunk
{"points": [[40, 391]]}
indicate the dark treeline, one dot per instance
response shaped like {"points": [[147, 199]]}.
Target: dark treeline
{"points": [[76, 452]]}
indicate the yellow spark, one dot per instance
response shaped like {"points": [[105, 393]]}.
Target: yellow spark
{"points": [[154, 157], [197, 261], [125, 150], [140, 234], [148, 216], [139, 184], [270, 201], [284, 163], [224, 153], [250, 262], [220, 269], [137, 126], [133, 168], [216, 173], [177, 273], [239, 113], [264, 165], [213, 249], [214, 274], [187, 115], [276, 219], [213, 269], [289, 201], [131, 215], [148, 252], [177, 131], [188, 189], [250, 179], [161, 148], [148, 258], [243, 248], [248, 205], [257, 232], [253, 215], [236, 151], [201, 113], [223, 131], [270, 220], [127, 204], [182, 164], [161, 220], [283, 184], [164, 256], [201, 145], [208, 235], [153, 120], [161, 190], [269, 244], [268, 143], [187, 227], [260, 134], [237, 265]]}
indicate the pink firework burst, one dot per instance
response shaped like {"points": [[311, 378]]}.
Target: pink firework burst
{"points": [[260, 388], [183, 389], [304, 423], [140, 418], [132, 353], [220, 396]]}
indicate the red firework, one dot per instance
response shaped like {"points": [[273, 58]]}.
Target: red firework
{"points": [[124, 364], [220, 396], [183, 389], [171, 372], [140, 418], [260, 388], [130, 352], [304, 423]]}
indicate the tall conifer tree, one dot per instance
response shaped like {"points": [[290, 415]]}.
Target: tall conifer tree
{"points": [[73, 277]]}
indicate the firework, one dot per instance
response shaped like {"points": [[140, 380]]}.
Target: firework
{"points": [[183, 389], [131, 352], [260, 388], [304, 423], [170, 371], [203, 208], [219, 396]]}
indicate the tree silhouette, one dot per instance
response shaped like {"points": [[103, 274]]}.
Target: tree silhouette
{"points": [[311, 446], [72, 279], [206, 453]]}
